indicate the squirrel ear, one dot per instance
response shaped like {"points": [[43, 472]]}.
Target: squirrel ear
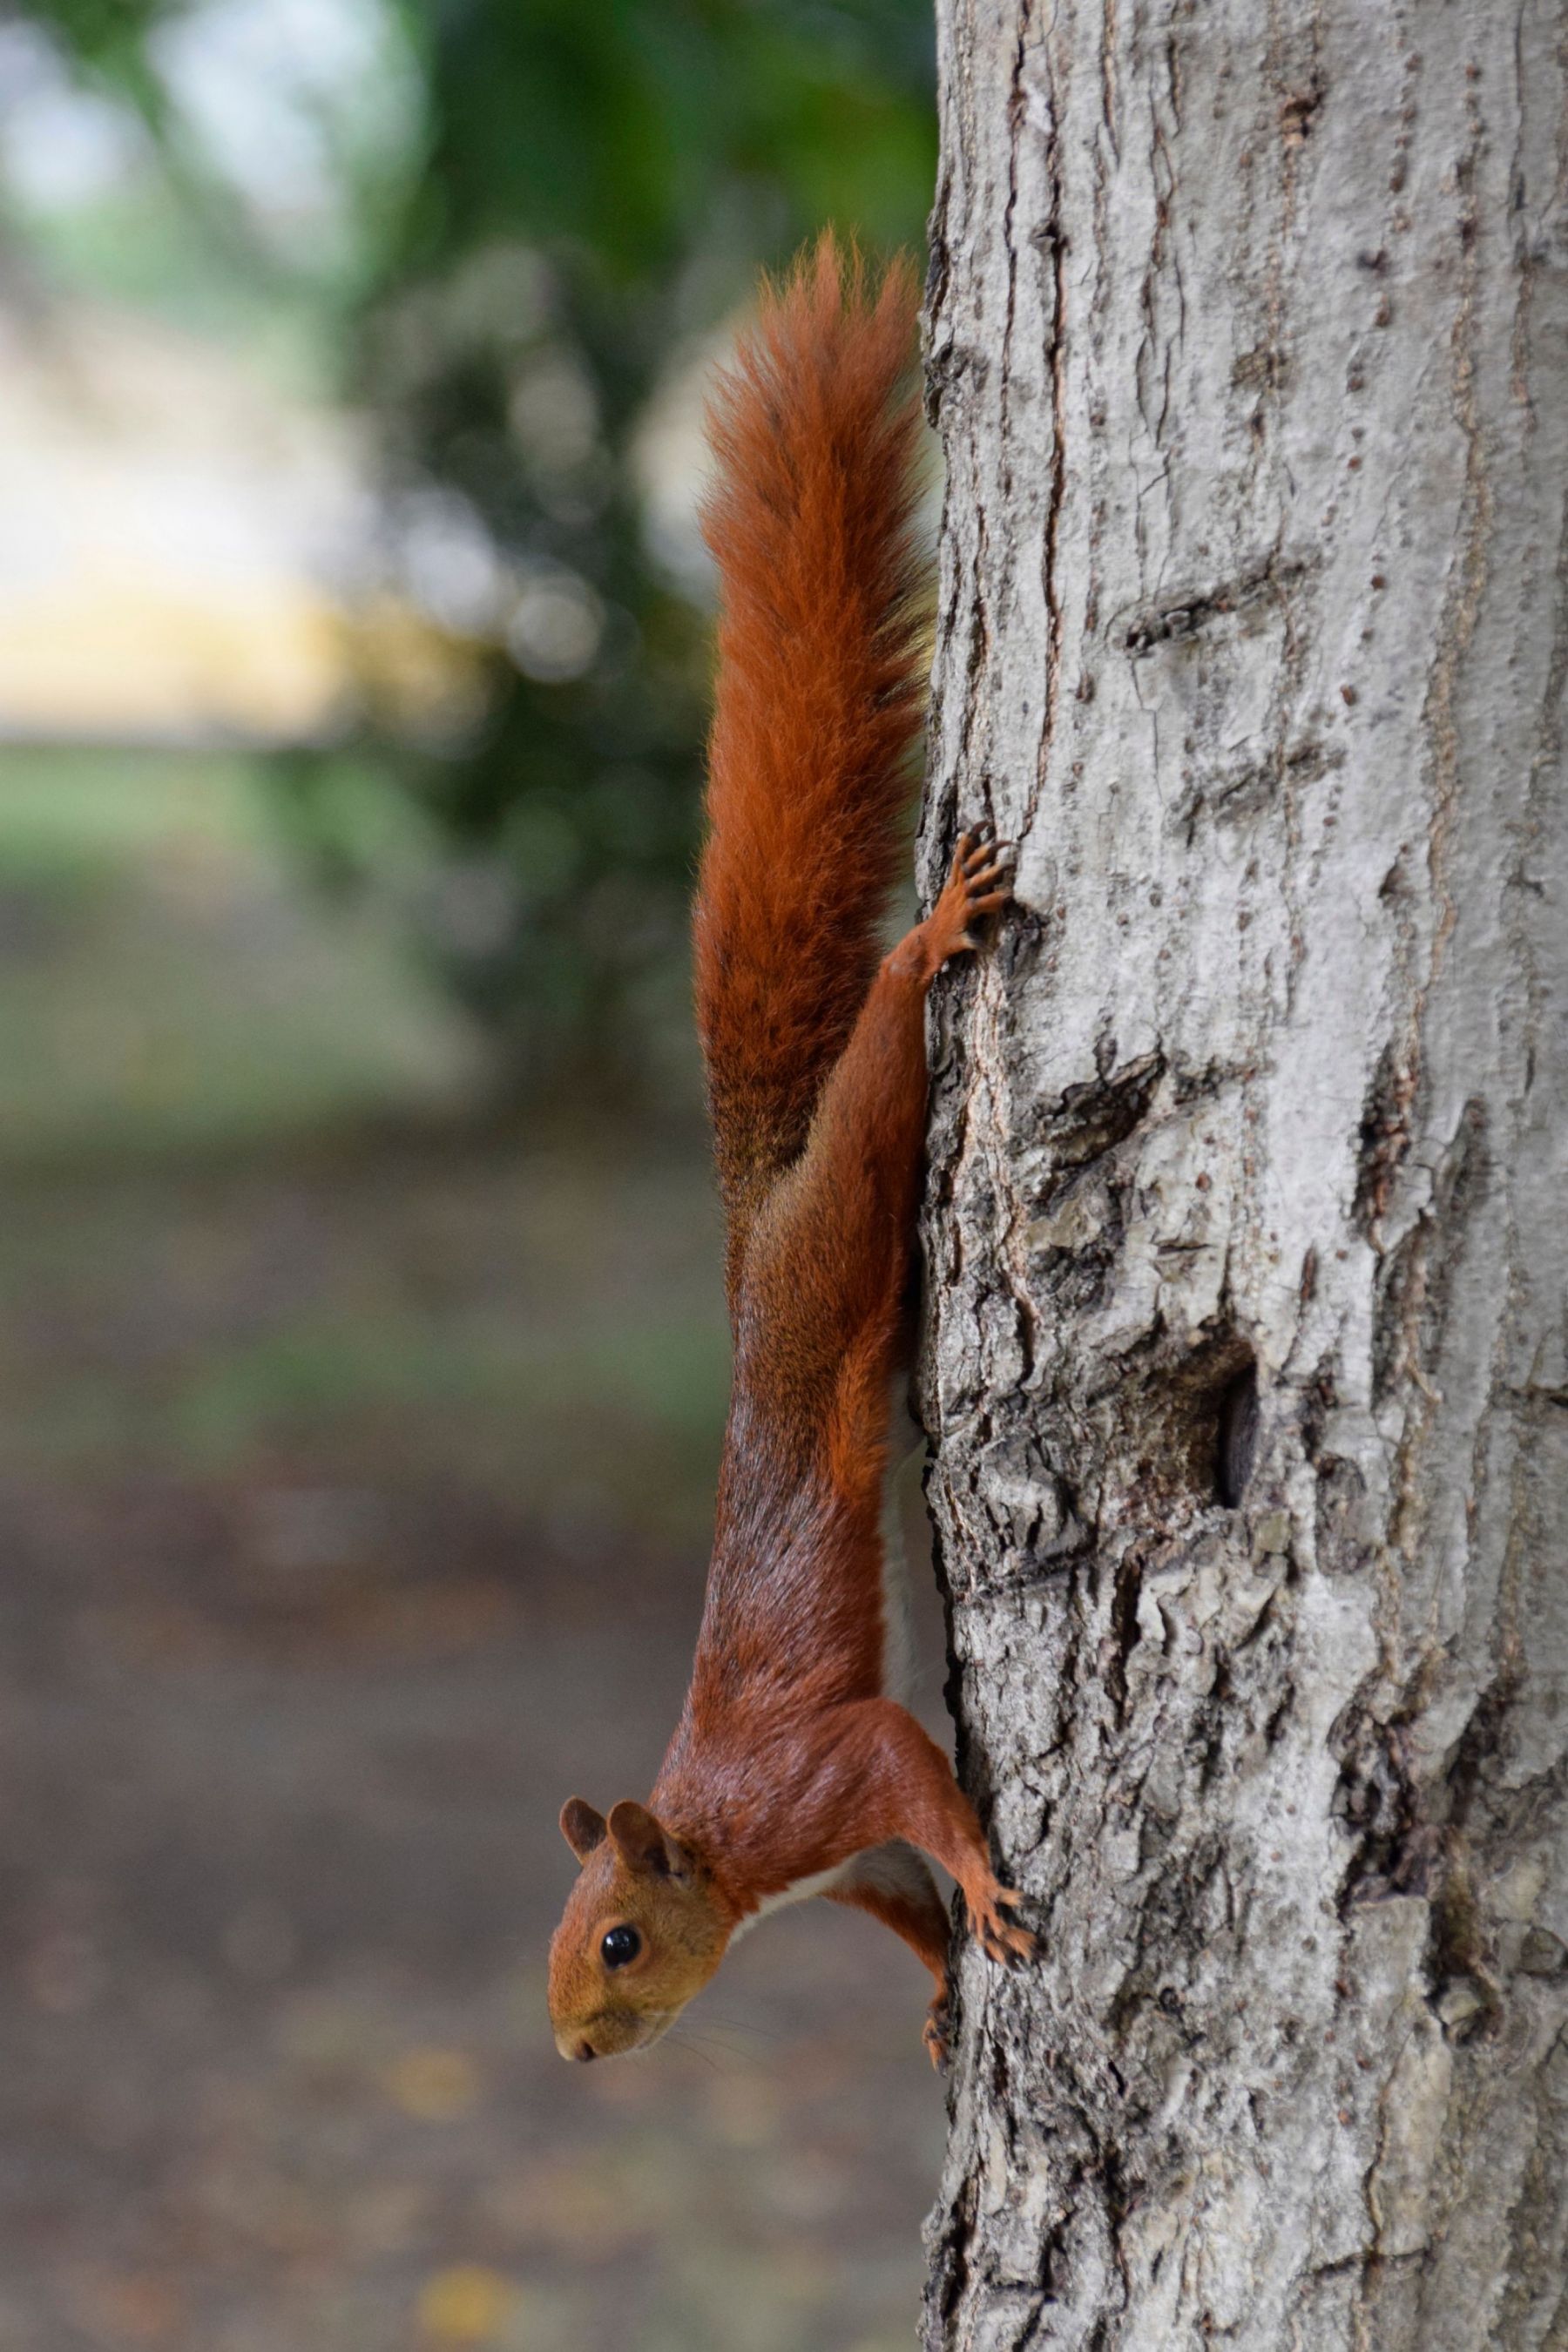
{"points": [[581, 1827], [644, 1843]]}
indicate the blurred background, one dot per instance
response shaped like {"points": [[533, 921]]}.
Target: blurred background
{"points": [[361, 1349]]}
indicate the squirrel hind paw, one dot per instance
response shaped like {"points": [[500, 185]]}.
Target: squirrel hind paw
{"points": [[979, 883]]}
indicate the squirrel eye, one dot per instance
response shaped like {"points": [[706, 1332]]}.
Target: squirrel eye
{"points": [[620, 1945]]}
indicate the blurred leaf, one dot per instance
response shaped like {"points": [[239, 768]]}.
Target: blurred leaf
{"points": [[466, 2304], [435, 2086]]}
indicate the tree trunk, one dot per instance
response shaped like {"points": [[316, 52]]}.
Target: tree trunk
{"points": [[1246, 1362]]}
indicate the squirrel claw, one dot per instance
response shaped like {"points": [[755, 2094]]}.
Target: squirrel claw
{"points": [[979, 883], [1002, 1935], [936, 2034]]}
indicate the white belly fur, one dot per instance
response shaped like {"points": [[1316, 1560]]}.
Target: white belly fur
{"points": [[819, 1882]]}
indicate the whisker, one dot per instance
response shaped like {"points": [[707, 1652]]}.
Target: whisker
{"points": [[745, 2025], [689, 2040]]}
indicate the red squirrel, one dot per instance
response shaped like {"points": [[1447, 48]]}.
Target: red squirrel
{"points": [[793, 1769]]}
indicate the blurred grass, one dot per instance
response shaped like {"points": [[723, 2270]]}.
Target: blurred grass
{"points": [[257, 1222], [165, 987]]}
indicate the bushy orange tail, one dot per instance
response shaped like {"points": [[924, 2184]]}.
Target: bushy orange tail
{"points": [[818, 702]]}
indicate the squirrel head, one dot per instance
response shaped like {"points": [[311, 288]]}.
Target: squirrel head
{"points": [[643, 1930]]}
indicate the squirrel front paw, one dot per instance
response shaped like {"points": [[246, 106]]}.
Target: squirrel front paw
{"points": [[937, 2031], [1001, 1934], [980, 882]]}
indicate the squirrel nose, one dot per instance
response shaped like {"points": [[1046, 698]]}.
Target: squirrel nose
{"points": [[585, 2050]]}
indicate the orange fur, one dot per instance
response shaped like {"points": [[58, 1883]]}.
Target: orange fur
{"points": [[817, 704], [789, 1762]]}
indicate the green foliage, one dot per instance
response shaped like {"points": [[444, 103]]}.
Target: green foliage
{"points": [[110, 38], [581, 198], [601, 187], [623, 128]]}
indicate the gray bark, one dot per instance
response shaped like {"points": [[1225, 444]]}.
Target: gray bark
{"points": [[1246, 1357]]}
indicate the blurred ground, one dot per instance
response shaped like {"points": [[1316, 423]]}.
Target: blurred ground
{"points": [[354, 1471]]}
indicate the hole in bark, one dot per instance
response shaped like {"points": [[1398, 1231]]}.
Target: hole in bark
{"points": [[1184, 1416], [1235, 1446]]}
